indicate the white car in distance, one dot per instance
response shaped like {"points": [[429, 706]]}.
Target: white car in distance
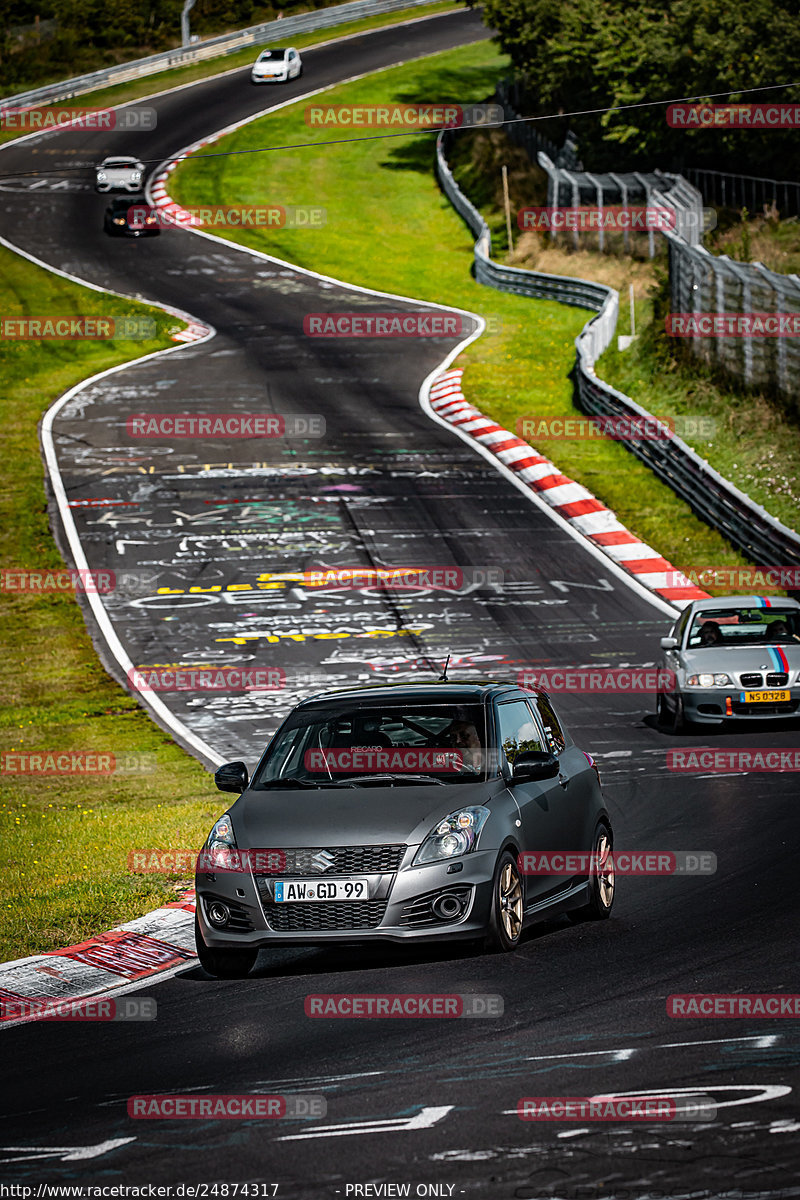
{"points": [[276, 66], [119, 173]]}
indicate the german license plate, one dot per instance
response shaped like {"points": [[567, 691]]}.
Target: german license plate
{"points": [[292, 891], [772, 697]]}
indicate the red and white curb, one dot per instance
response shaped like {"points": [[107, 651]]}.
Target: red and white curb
{"points": [[106, 964], [570, 500]]}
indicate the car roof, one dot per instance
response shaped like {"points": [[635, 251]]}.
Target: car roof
{"points": [[422, 692], [121, 159], [765, 602]]}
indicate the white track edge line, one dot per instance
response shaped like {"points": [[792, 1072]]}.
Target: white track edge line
{"points": [[151, 701]]}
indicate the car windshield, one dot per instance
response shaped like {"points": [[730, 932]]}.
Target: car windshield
{"points": [[744, 627], [332, 745], [271, 54], [120, 162]]}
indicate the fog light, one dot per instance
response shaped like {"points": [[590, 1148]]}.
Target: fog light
{"points": [[447, 906], [218, 913]]}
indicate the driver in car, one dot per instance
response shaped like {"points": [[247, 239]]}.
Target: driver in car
{"points": [[463, 736], [710, 634]]}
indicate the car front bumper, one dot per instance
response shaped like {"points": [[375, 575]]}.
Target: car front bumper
{"points": [[399, 907], [118, 187], [709, 707]]}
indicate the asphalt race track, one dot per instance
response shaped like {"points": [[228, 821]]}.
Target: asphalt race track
{"points": [[408, 1102]]}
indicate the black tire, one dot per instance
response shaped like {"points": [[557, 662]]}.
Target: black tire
{"points": [[679, 722], [663, 715], [506, 916], [223, 964], [602, 884]]}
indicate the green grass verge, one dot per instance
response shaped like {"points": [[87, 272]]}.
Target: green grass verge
{"points": [[152, 84], [756, 443], [390, 227], [64, 840]]}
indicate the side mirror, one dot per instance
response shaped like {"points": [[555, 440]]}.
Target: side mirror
{"points": [[669, 643], [232, 777], [532, 766]]}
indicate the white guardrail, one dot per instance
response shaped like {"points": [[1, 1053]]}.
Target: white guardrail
{"points": [[283, 30], [747, 525]]}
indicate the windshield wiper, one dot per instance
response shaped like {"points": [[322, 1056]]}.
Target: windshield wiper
{"points": [[289, 782], [357, 780]]}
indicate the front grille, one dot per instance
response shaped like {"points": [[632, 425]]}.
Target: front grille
{"points": [[347, 860], [419, 913], [765, 710], [752, 681], [240, 918], [313, 918], [777, 679]]}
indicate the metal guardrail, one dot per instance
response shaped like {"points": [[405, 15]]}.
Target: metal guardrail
{"points": [[738, 191], [748, 526], [225, 44], [580, 292]]}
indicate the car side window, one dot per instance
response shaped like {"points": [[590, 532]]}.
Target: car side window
{"points": [[552, 727], [680, 626], [516, 729]]}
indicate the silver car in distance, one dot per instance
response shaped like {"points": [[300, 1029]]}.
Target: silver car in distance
{"points": [[735, 658]]}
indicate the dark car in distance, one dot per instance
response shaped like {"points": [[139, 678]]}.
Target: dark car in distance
{"points": [[131, 216], [401, 813]]}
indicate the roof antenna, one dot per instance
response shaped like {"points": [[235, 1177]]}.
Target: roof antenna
{"points": [[443, 677]]}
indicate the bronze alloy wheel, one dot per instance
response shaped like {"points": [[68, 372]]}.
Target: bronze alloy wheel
{"points": [[605, 870], [505, 922], [601, 879]]}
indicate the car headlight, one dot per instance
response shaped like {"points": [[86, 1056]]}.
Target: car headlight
{"points": [[457, 834], [119, 220], [136, 176], [101, 176], [706, 680], [220, 848]]}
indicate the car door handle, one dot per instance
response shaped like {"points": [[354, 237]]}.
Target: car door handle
{"points": [[563, 779]]}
